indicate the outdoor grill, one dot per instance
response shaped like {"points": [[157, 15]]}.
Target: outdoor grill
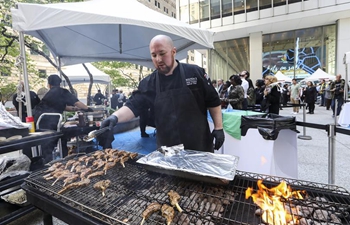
{"points": [[134, 188]]}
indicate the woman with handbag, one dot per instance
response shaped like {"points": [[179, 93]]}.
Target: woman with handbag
{"points": [[272, 95]]}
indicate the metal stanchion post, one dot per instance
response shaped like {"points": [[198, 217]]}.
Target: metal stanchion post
{"points": [[331, 154], [304, 136], [335, 111]]}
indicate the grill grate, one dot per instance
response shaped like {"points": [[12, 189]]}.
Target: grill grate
{"points": [[134, 188]]}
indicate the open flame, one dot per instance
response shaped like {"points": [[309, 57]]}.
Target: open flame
{"points": [[272, 202]]}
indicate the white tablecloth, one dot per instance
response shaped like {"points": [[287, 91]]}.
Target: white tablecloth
{"points": [[344, 117]]}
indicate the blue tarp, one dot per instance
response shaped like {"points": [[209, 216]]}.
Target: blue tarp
{"points": [[132, 141]]}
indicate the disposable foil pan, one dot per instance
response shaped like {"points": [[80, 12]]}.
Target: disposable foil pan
{"points": [[195, 165]]}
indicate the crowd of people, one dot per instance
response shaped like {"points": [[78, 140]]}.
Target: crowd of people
{"points": [[270, 96]]}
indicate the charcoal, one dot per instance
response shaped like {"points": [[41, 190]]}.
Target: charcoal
{"points": [[335, 219], [259, 212], [320, 215]]}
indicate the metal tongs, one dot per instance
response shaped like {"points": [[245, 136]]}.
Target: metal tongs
{"points": [[92, 134]]}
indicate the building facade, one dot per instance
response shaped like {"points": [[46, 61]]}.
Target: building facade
{"points": [[295, 37]]}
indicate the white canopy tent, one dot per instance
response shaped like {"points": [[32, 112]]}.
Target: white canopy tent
{"points": [[319, 75], [103, 30], [281, 77], [77, 74]]}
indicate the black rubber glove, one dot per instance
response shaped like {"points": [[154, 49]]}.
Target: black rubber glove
{"points": [[219, 138], [110, 122]]}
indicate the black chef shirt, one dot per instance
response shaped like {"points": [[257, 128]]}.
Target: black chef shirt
{"points": [[196, 79]]}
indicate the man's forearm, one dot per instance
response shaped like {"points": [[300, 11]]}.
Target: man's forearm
{"points": [[216, 115], [124, 114]]}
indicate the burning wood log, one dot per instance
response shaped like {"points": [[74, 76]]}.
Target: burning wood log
{"points": [[174, 199], [152, 208]]}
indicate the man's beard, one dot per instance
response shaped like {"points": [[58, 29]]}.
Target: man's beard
{"points": [[167, 68]]}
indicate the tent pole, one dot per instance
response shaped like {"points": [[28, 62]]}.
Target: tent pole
{"points": [[59, 71], [25, 74]]}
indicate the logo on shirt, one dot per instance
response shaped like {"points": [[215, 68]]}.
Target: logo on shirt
{"points": [[191, 81]]}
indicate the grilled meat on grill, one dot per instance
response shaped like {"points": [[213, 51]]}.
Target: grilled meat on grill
{"points": [[174, 199], [75, 164], [69, 163], [56, 174], [168, 213], [81, 183], [102, 186], [152, 208], [82, 158], [88, 159], [133, 155], [99, 164], [79, 168], [85, 172], [70, 179], [95, 174], [54, 167], [62, 176], [108, 165], [123, 160]]}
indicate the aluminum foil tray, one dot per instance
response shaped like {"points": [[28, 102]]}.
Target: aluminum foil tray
{"points": [[195, 165]]}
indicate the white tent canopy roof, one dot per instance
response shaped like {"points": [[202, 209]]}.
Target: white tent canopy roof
{"points": [[319, 75], [77, 74], [103, 30], [281, 77]]}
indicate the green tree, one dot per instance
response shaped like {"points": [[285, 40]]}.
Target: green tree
{"points": [[117, 71]]}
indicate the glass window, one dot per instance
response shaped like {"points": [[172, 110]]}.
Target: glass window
{"points": [[226, 8], [230, 57], [264, 4], [279, 2], [204, 10], [238, 7], [194, 11], [310, 48], [251, 5], [184, 14], [215, 9]]}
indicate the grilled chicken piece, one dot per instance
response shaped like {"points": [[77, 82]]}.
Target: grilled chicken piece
{"points": [[85, 172], [69, 163], [174, 199], [79, 168], [61, 177], [122, 153], [88, 159], [168, 213], [97, 153], [54, 167], [123, 160], [99, 164], [56, 174], [108, 165], [75, 164], [102, 186], [152, 208], [113, 158], [95, 174], [133, 155], [70, 179], [81, 183], [82, 158]]}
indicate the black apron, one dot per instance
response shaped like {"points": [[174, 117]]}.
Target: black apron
{"points": [[179, 120]]}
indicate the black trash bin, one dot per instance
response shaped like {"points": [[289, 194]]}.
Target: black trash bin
{"points": [[268, 125]]}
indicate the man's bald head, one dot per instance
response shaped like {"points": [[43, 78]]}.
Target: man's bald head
{"points": [[165, 40], [163, 54]]}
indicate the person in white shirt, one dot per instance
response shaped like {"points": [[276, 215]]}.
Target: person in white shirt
{"points": [[244, 75]]}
